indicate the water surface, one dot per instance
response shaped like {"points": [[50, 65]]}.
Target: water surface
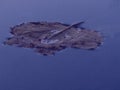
{"points": [[70, 69]]}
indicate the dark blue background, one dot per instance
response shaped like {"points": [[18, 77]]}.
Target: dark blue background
{"points": [[70, 69]]}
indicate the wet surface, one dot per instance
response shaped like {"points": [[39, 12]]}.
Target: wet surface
{"points": [[70, 69]]}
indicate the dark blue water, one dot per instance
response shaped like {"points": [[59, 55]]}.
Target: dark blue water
{"points": [[70, 69]]}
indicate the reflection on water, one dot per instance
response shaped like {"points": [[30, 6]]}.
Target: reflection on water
{"points": [[22, 69]]}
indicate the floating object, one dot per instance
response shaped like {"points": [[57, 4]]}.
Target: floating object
{"points": [[49, 37]]}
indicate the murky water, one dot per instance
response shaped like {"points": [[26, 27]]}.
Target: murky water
{"points": [[70, 69]]}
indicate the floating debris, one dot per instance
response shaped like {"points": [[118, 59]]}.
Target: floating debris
{"points": [[49, 37]]}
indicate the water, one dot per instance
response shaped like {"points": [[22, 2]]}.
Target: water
{"points": [[70, 69]]}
